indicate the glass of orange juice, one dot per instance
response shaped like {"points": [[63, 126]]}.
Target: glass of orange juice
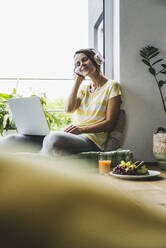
{"points": [[104, 164]]}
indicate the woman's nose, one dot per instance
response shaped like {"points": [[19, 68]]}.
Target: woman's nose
{"points": [[82, 64]]}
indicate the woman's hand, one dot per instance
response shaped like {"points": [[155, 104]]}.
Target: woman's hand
{"points": [[74, 129]]}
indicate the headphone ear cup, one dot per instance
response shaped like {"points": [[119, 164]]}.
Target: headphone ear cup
{"points": [[99, 58]]}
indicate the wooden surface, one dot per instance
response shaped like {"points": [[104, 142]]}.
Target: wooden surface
{"points": [[151, 192]]}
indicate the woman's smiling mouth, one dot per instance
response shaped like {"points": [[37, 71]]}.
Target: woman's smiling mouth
{"points": [[85, 68]]}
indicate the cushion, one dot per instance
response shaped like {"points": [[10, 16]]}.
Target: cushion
{"points": [[115, 137]]}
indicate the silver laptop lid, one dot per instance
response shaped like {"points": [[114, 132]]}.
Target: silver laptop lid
{"points": [[28, 115]]}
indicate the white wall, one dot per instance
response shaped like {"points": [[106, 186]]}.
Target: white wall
{"points": [[116, 40], [141, 22]]}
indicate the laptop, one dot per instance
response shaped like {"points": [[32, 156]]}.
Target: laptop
{"points": [[28, 115]]}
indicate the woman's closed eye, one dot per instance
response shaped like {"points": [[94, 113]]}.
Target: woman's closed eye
{"points": [[84, 59]]}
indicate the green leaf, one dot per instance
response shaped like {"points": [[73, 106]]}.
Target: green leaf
{"points": [[163, 72], [146, 62], [5, 96], [14, 91], [154, 55], [143, 55], [149, 50], [43, 101], [161, 83], [152, 71], [5, 119], [157, 61], [1, 100], [1, 130]]}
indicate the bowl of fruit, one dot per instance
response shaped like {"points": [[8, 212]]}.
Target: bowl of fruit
{"points": [[133, 170]]}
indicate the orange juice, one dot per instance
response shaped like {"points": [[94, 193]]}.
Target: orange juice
{"points": [[104, 166]]}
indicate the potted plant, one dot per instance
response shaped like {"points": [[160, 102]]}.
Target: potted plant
{"points": [[156, 67], [6, 122]]}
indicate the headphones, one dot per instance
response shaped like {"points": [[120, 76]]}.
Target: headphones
{"points": [[97, 57]]}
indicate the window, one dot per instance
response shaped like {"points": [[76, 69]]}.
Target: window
{"points": [[102, 17], [38, 41]]}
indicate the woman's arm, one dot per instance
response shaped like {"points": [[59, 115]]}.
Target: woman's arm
{"points": [[107, 125], [73, 101]]}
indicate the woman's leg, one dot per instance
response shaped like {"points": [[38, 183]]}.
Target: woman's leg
{"points": [[22, 143], [68, 143]]}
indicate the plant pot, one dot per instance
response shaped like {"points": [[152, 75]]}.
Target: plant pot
{"points": [[159, 148]]}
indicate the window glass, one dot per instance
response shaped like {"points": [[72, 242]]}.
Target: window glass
{"points": [[38, 38], [100, 37], [38, 41]]}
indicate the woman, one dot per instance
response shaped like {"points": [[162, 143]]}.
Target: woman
{"points": [[96, 106]]}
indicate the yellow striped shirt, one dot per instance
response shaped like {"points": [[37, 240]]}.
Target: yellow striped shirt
{"points": [[92, 109]]}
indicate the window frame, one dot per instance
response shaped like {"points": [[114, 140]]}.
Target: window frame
{"points": [[96, 28], [95, 35], [108, 37]]}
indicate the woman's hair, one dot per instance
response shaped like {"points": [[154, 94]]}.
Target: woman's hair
{"points": [[90, 53]]}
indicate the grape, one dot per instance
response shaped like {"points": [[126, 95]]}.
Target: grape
{"points": [[125, 168], [129, 168]]}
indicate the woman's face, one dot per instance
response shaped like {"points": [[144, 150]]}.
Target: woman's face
{"points": [[84, 65]]}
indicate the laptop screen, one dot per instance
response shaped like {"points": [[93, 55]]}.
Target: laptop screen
{"points": [[28, 115]]}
